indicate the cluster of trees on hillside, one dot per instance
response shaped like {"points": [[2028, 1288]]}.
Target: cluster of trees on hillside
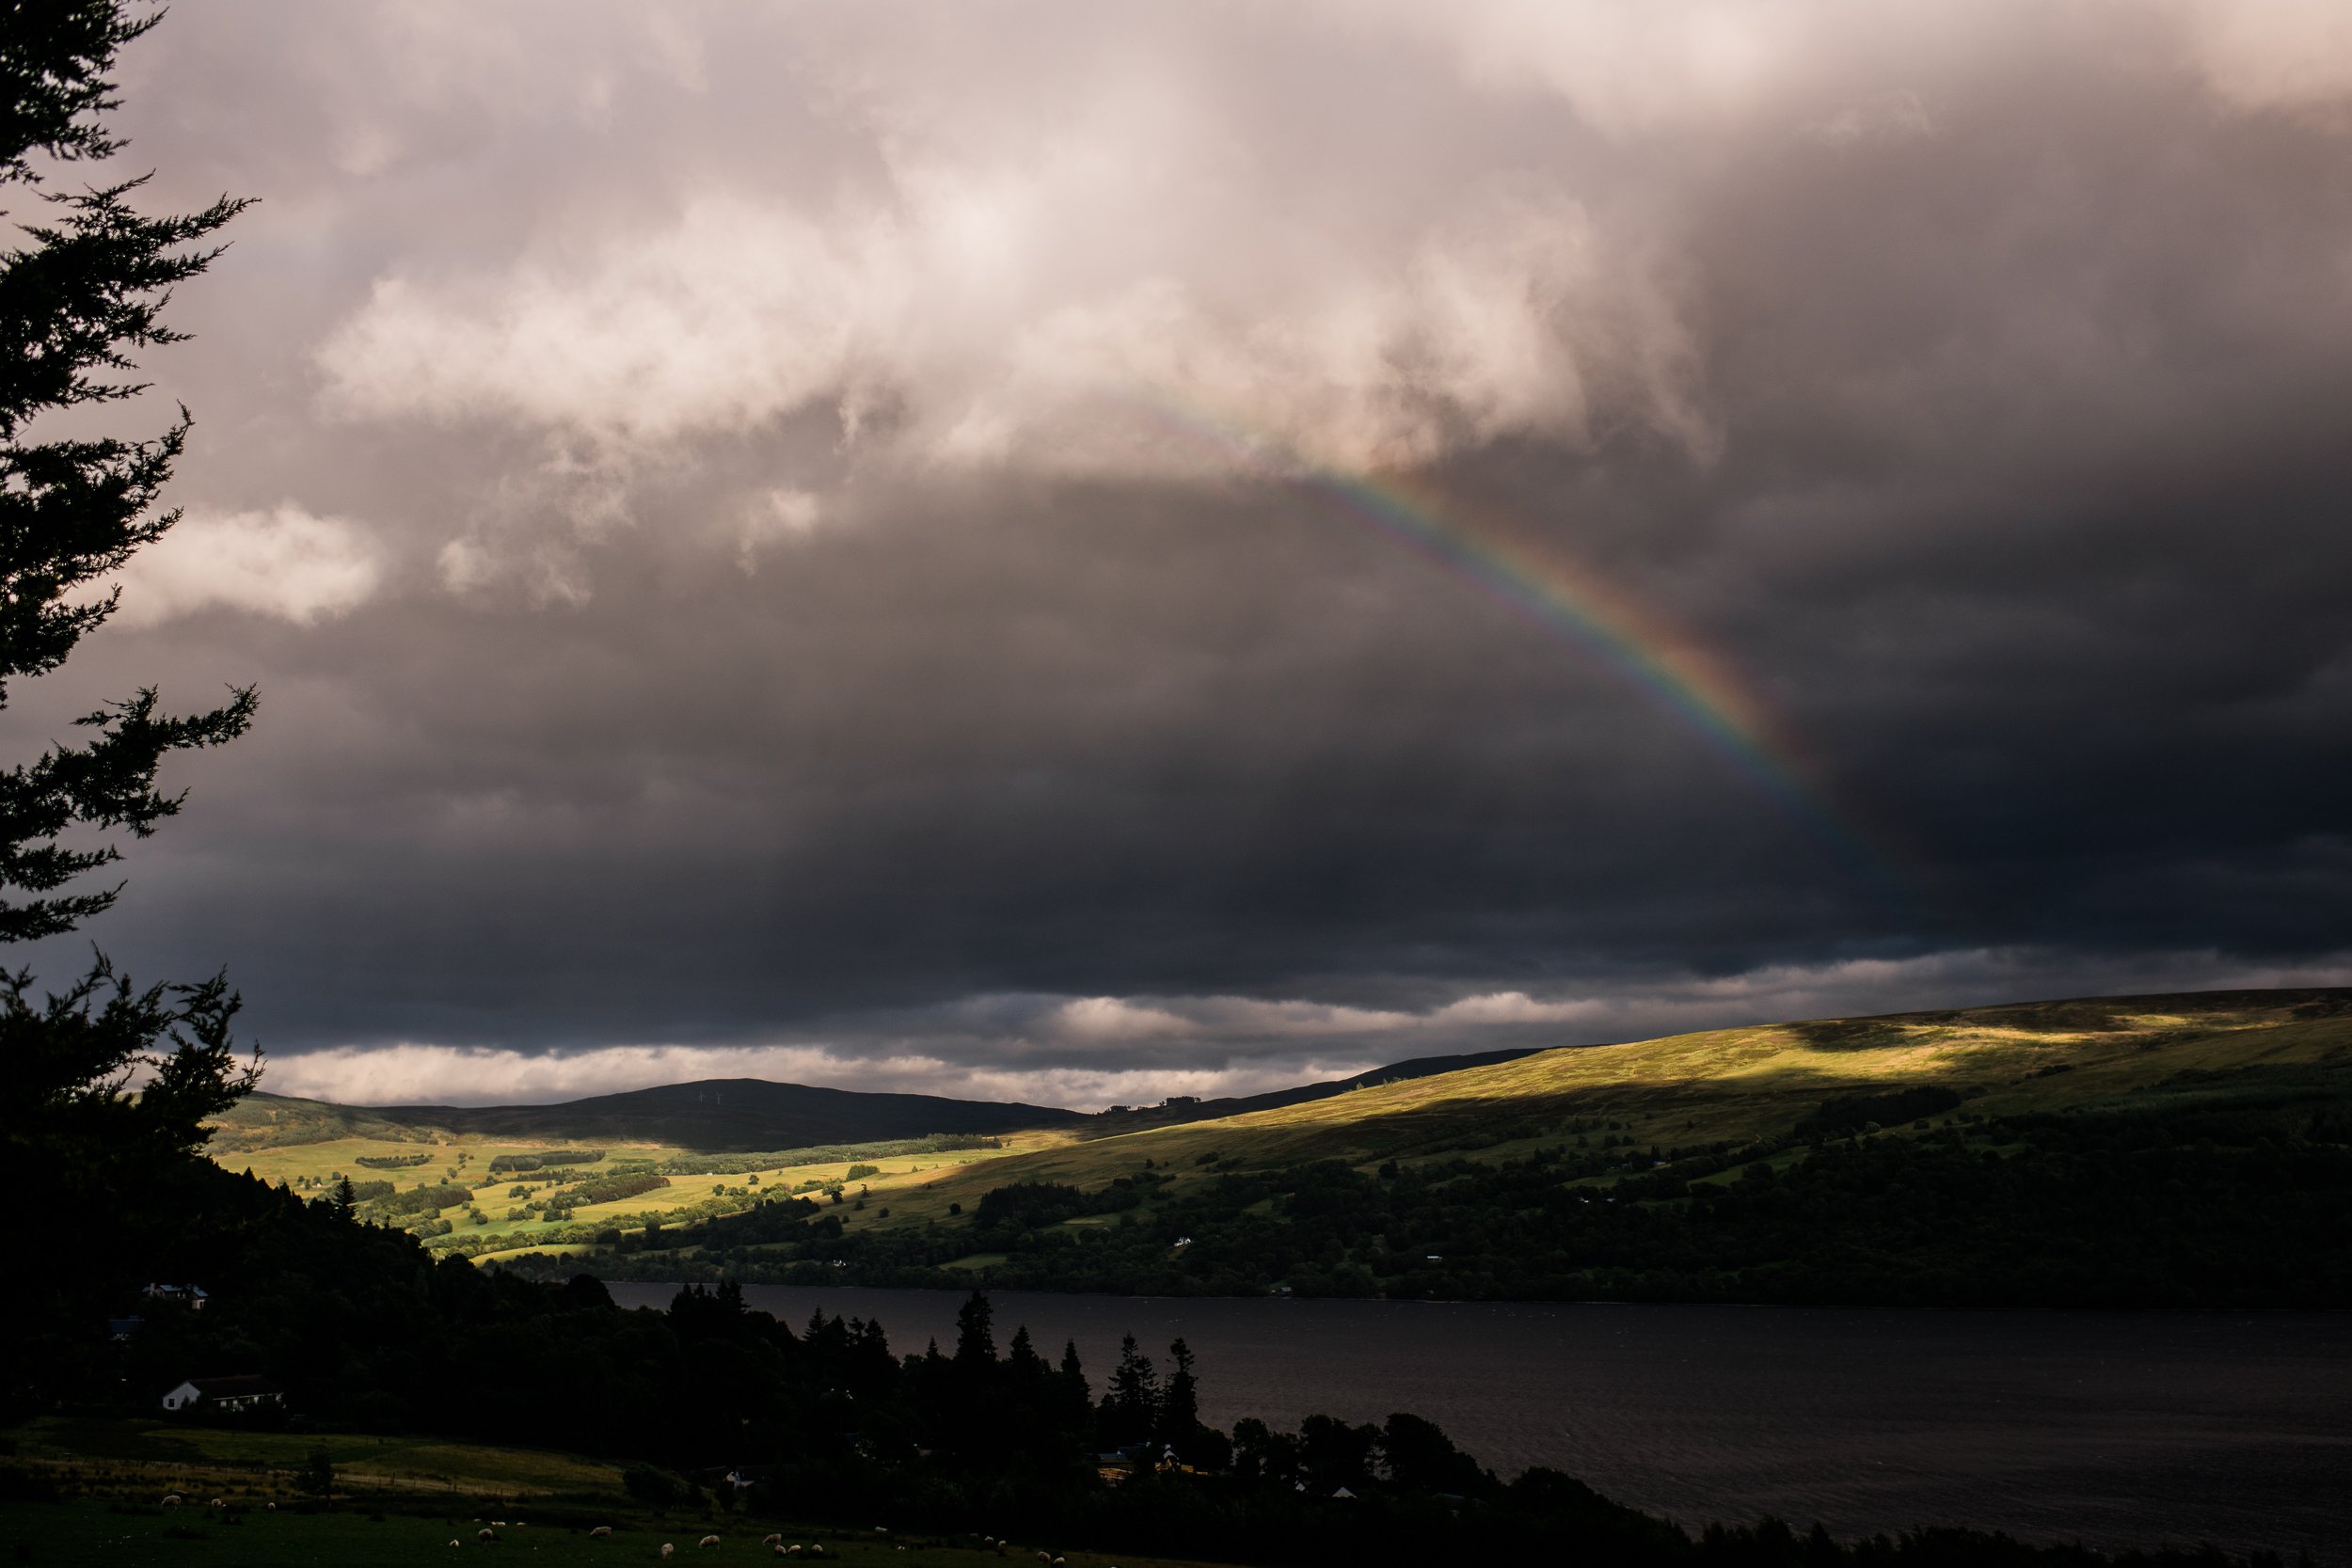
{"points": [[2250, 1206], [504, 1163]]}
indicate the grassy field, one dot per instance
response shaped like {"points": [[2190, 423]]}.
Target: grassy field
{"points": [[371, 1532], [143, 1456], [700, 1182], [400, 1502]]}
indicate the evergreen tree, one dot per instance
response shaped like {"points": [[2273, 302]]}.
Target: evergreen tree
{"points": [[1073, 1396], [1130, 1405], [1180, 1403], [75, 304], [81, 294], [975, 1343]]}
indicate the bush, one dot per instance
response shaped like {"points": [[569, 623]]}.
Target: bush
{"points": [[657, 1488], [607, 1189], [1029, 1204], [546, 1157], [1856, 1113], [428, 1199]]}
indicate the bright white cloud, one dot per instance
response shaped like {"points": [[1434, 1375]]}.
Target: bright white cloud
{"points": [[284, 562], [1102, 256], [957, 307], [2257, 54]]}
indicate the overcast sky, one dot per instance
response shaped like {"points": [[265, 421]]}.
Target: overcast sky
{"points": [[1074, 552]]}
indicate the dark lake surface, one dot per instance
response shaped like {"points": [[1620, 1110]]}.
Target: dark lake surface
{"points": [[2114, 1428]]}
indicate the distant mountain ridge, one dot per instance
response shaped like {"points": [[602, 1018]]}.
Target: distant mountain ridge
{"points": [[715, 1114], [743, 1114]]}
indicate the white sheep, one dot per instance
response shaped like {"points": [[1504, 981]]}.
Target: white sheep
{"points": [[453, 1546], [270, 1507], [707, 1541], [600, 1532], [172, 1500], [219, 1502], [484, 1536], [666, 1550]]}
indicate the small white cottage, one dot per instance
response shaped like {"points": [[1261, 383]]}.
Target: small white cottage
{"points": [[193, 1297], [225, 1393]]}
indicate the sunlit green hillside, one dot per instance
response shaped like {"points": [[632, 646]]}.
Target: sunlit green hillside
{"points": [[1739, 1086]]}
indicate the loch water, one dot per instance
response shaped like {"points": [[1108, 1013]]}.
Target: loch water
{"points": [[2113, 1428]]}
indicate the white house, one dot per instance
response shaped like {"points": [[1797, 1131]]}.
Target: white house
{"points": [[191, 1296], [225, 1393]]}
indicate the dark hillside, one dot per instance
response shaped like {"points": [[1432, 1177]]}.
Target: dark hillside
{"points": [[730, 1113]]}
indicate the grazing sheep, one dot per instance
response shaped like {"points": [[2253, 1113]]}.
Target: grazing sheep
{"points": [[453, 1546], [1059, 1564], [272, 1507], [217, 1502], [666, 1550], [707, 1541], [172, 1501], [600, 1532], [485, 1537], [770, 1540], [1046, 1557]]}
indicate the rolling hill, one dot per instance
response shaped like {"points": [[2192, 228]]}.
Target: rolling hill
{"points": [[1741, 1086], [2191, 1150], [715, 1114]]}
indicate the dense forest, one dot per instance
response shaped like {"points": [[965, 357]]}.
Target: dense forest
{"points": [[2246, 1206]]}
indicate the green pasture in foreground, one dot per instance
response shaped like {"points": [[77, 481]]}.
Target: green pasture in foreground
{"points": [[398, 1500], [163, 1456], [88, 1531]]}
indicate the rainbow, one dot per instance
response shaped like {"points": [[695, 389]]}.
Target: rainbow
{"points": [[1573, 606]]}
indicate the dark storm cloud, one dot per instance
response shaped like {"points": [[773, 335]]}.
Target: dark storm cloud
{"points": [[719, 514]]}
